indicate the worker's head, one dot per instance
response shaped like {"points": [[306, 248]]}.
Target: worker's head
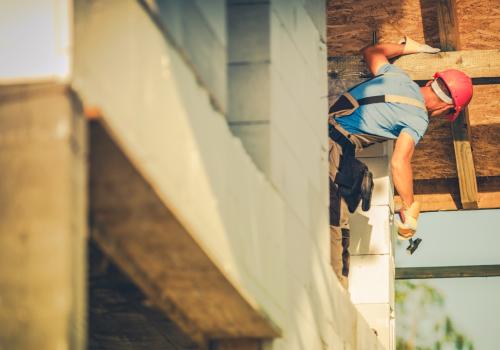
{"points": [[448, 93]]}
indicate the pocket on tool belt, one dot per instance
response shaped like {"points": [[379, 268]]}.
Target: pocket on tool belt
{"points": [[355, 183], [344, 105]]}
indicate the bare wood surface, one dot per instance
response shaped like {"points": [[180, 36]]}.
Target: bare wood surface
{"points": [[404, 273], [475, 63], [460, 128], [479, 24], [350, 24], [464, 162], [133, 226], [443, 194], [448, 25]]}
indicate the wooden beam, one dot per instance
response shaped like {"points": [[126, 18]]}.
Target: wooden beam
{"points": [[443, 194], [475, 63], [405, 273], [448, 25], [135, 228], [460, 129], [464, 161]]}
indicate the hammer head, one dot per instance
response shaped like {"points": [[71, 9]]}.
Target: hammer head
{"points": [[414, 243]]}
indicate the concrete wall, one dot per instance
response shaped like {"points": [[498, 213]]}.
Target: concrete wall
{"points": [[371, 281], [43, 207], [256, 203]]}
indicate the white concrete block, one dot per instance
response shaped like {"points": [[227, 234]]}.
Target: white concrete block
{"points": [[366, 338], [295, 129], [307, 92], [316, 10], [373, 151], [249, 32], [300, 248], [306, 38], [214, 12], [249, 92], [369, 279], [370, 231], [255, 138], [289, 178], [320, 224], [383, 189], [378, 317], [197, 34]]}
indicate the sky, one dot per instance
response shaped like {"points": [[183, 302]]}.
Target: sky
{"points": [[463, 238]]}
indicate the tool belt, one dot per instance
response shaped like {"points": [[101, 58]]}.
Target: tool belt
{"points": [[354, 179]]}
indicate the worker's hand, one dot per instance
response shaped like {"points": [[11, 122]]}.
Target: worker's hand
{"points": [[407, 225], [411, 46]]}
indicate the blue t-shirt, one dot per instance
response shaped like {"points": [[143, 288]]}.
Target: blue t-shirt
{"points": [[387, 119]]}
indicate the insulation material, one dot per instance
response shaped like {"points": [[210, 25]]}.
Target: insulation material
{"points": [[479, 24], [351, 23], [484, 117]]}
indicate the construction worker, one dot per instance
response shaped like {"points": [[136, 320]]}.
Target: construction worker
{"points": [[388, 106]]}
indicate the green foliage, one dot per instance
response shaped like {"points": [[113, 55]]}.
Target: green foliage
{"points": [[422, 321]]}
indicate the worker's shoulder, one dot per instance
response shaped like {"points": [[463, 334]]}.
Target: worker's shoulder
{"points": [[390, 69]]}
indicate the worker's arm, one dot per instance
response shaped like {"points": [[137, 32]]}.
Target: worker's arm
{"points": [[402, 174], [378, 55]]}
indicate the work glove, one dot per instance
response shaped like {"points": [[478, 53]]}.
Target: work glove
{"points": [[407, 225], [411, 46]]}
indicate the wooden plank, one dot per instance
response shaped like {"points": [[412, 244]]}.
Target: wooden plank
{"points": [[460, 129], [443, 194], [133, 226], [404, 273], [464, 161], [448, 25], [475, 63]]}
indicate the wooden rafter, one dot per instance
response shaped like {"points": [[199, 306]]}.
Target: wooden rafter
{"points": [[405, 273], [475, 63], [460, 129]]}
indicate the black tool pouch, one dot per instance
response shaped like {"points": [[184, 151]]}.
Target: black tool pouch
{"points": [[355, 183]]}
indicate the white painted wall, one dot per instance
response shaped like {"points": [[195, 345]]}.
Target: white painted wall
{"points": [[266, 227]]}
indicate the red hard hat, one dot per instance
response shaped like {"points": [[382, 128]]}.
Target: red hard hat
{"points": [[460, 87]]}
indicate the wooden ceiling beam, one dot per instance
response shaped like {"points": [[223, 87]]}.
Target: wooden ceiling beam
{"points": [[405, 273], [478, 64], [475, 63], [460, 129]]}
